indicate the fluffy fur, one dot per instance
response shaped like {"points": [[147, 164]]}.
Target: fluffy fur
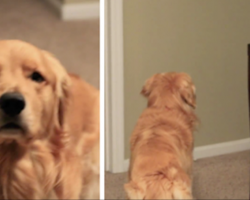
{"points": [[162, 141], [56, 153]]}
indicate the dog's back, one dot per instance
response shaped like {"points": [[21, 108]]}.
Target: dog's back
{"points": [[161, 159]]}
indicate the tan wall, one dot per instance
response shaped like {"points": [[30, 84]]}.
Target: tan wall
{"points": [[208, 40], [79, 1]]}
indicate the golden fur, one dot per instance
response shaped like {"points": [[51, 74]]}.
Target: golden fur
{"points": [[56, 154], [162, 141]]}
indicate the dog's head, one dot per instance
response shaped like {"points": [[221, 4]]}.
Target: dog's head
{"points": [[33, 91], [170, 90]]}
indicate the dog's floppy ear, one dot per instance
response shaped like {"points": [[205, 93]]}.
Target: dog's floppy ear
{"points": [[187, 93], [63, 79], [148, 86], [62, 90]]}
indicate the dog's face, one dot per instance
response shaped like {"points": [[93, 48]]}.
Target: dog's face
{"points": [[32, 83], [170, 90]]}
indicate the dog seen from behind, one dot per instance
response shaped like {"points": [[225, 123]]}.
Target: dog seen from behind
{"points": [[161, 144], [49, 127]]}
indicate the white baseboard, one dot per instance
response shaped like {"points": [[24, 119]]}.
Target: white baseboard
{"points": [[221, 148], [80, 11], [76, 11], [214, 150]]}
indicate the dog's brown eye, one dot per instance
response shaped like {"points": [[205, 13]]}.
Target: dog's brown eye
{"points": [[37, 77]]}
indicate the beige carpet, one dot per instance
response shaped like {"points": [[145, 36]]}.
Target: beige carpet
{"points": [[221, 177], [75, 43]]}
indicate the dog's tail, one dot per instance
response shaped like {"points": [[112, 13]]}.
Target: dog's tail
{"points": [[181, 191], [135, 190], [161, 186]]}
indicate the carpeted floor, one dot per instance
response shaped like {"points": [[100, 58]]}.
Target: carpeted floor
{"points": [[74, 43], [221, 177]]}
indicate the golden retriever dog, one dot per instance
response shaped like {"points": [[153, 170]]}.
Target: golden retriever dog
{"points": [[49, 127], [162, 141]]}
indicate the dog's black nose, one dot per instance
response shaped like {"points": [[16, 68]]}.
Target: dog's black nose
{"points": [[12, 103]]}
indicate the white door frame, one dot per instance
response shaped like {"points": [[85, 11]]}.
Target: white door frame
{"points": [[114, 94]]}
